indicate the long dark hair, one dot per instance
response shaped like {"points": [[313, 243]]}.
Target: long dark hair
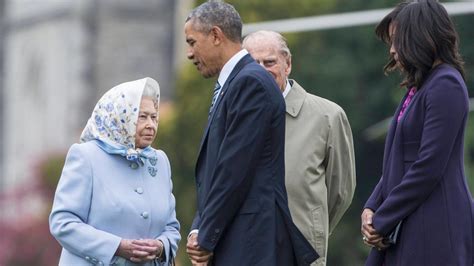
{"points": [[424, 33]]}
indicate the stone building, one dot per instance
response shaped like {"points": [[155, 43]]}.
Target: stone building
{"points": [[57, 57]]}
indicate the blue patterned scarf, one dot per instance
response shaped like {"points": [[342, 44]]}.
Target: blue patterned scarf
{"points": [[113, 122]]}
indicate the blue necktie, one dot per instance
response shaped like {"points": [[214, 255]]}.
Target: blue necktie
{"points": [[217, 89]]}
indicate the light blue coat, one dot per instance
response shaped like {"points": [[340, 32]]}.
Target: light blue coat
{"points": [[101, 199]]}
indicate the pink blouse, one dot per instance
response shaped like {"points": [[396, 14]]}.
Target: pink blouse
{"points": [[407, 101]]}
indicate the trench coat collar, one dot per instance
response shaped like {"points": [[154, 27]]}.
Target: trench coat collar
{"points": [[295, 99]]}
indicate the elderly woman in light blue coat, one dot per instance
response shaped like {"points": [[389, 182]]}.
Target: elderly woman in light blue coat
{"points": [[114, 203]]}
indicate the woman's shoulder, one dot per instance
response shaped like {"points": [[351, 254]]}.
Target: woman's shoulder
{"points": [[446, 87], [159, 153], [90, 151], [442, 79], [163, 159], [447, 73], [85, 147]]}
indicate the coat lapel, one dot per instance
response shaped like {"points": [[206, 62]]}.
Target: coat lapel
{"points": [[295, 99], [394, 133], [391, 134]]}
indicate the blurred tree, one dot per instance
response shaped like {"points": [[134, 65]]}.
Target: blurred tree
{"points": [[179, 136]]}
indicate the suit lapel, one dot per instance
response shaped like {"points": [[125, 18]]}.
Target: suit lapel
{"points": [[240, 65]]}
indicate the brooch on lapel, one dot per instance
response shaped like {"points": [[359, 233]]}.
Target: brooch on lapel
{"points": [[153, 160], [152, 171]]}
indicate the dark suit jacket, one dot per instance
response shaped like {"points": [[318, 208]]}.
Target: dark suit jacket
{"points": [[242, 213], [423, 180]]}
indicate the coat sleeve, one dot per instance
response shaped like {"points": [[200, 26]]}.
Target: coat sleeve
{"points": [[170, 236], [247, 122], [375, 198], [446, 108], [340, 169], [69, 215]]}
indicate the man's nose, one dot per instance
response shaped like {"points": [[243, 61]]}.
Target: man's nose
{"points": [[189, 54]]}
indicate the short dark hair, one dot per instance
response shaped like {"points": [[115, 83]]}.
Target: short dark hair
{"points": [[220, 14], [424, 33]]}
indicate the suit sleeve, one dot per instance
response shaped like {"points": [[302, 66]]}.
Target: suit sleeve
{"points": [[170, 236], [196, 221], [69, 215], [445, 111], [340, 169], [247, 122]]}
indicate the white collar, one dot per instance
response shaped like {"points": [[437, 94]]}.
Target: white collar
{"points": [[229, 66], [287, 89]]}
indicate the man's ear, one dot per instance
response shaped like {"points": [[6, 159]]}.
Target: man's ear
{"points": [[217, 35], [288, 66]]}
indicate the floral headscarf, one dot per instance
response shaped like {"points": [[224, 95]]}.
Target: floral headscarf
{"points": [[113, 122]]}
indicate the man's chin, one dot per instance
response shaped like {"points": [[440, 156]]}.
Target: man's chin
{"points": [[207, 75]]}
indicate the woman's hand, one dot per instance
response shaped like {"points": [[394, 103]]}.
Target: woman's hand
{"points": [[125, 249], [369, 235], [140, 251], [146, 250]]}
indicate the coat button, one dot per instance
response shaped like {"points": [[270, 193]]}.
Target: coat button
{"points": [[144, 215], [88, 258], [139, 190], [134, 165]]}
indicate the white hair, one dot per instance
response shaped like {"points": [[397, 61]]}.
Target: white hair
{"points": [[152, 90]]}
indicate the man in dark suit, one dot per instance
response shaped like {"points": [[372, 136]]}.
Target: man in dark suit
{"points": [[242, 213]]}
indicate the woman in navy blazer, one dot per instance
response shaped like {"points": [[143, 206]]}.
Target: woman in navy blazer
{"points": [[423, 187], [114, 203]]}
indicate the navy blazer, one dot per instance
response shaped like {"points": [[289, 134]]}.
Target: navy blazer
{"points": [[423, 182], [242, 213]]}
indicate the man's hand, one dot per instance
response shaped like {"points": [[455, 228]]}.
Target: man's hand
{"points": [[197, 255]]}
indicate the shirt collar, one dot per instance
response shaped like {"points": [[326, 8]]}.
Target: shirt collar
{"points": [[287, 88], [229, 66]]}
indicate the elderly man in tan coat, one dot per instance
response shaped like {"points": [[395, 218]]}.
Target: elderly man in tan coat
{"points": [[319, 152]]}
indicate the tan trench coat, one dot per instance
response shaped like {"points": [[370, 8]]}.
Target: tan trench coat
{"points": [[319, 165]]}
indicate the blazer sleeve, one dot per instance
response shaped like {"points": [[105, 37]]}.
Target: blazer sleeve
{"points": [[446, 108], [170, 236], [247, 121], [340, 168], [69, 215]]}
